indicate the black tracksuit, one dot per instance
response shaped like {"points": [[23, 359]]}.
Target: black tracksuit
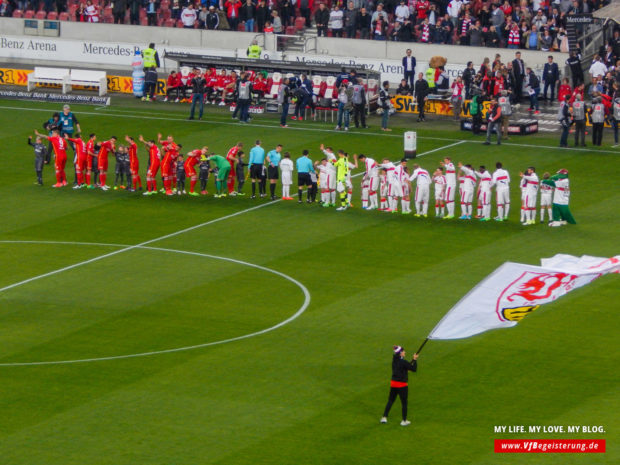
{"points": [[400, 369], [40, 154]]}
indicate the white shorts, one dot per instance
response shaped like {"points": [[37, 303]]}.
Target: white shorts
{"points": [[530, 200], [331, 182], [346, 185], [503, 196], [440, 192], [545, 199], [450, 192], [406, 190], [287, 179], [421, 193], [484, 197], [373, 183], [395, 189], [467, 195]]}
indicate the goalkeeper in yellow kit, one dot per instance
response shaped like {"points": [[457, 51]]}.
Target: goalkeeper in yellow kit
{"points": [[343, 178]]}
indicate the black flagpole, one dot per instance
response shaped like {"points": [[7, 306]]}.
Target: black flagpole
{"points": [[423, 344]]}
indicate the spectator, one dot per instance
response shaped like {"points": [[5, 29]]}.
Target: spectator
{"points": [[80, 14], [92, 12], [468, 79], [384, 103], [134, 11], [189, 16], [350, 20], [151, 12], [497, 16], [379, 13], [321, 18], [284, 11], [546, 41], [172, 86], [474, 35], [454, 11], [336, 18], [268, 29], [175, 11], [213, 20], [118, 10], [232, 8], [425, 31], [457, 97], [466, 23], [403, 88], [305, 8], [402, 12], [598, 68], [532, 38], [202, 17], [421, 90], [262, 15], [345, 105], [565, 89], [491, 37], [514, 37], [364, 23], [379, 28], [247, 14], [276, 22]]}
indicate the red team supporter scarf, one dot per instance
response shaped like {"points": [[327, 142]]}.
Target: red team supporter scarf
{"points": [[425, 33]]}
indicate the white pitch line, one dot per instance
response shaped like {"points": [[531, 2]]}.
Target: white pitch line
{"points": [[131, 247], [293, 317], [442, 148]]}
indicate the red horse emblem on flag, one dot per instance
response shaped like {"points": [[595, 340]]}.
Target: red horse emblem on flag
{"points": [[532, 289]]}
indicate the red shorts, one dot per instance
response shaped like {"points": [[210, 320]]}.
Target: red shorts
{"points": [[81, 164], [165, 170], [190, 171], [60, 162], [153, 169], [133, 169], [103, 164]]}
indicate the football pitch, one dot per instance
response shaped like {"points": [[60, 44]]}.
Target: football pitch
{"points": [[194, 330]]}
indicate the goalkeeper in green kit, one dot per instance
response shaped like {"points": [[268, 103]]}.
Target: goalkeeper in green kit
{"points": [[561, 194], [343, 178], [223, 170]]}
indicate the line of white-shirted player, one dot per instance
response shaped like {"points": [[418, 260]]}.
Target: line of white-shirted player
{"points": [[385, 184]]}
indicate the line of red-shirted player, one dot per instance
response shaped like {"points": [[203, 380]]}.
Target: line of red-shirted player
{"points": [[85, 153]]}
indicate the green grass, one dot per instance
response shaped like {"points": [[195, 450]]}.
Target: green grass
{"points": [[312, 391]]}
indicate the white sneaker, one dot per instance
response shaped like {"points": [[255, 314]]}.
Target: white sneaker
{"points": [[147, 193], [405, 423], [77, 186], [341, 209], [222, 104], [232, 193], [555, 224], [383, 420], [563, 222]]}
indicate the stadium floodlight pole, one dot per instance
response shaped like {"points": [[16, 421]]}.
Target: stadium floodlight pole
{"points": [[423, 344]]}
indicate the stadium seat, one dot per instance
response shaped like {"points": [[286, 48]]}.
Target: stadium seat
{"points": [[316, 83], [64, 16], [241, 27], [29, 14], [166, 14], [179, 23], [330, 90], [144, 21], [373, 88], [107, 11], [275, 85], [72, 10], [52, 16], [40, 15], [169, 22], [18, 14], [290, 30]]}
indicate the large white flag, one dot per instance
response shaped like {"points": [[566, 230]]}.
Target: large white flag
{"points": [[514, 290]]}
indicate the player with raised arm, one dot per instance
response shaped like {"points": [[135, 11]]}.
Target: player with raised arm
{"points": [[394, 188], [372, 177], [153, 167], [402, 173], [423, 181], [501, 181], [107, 147], [468, 185], [450, 191], [91, 155], [484, 194], [191, 160], [531, 192], [60, 151], [231, 156], [322, 167], [81, 159]]}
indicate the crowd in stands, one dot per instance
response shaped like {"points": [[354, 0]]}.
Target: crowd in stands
{"points": [[526, 24]]}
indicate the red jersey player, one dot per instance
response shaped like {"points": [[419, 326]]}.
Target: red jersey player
{"points": [[154, 161], [102, 160], [80, 162], [134, 163], [193, 158], [90, 154], [171, 152], [231, 156], [60, 150]]}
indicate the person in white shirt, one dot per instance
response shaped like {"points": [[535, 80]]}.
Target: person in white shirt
{"points": [[440, 192], [403, 177], [484, 194], [423, 181], [371, 176], [531, 192], [598, 68], [450, 186], [546, 196], [402, 12], [454, 10], [189, 16], [394, 188], [331, 183], [501, 181], [468, 185], [322, 167], [336, 20], [286, 170]]}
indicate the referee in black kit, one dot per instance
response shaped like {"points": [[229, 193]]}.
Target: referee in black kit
{"points": [[398, 384]]}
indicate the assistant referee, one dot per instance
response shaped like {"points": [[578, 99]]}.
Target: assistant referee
{"points": [[398, 384]]}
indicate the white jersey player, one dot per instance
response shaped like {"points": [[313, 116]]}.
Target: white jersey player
{"points": [[383, 190], [484, 194], [371, 178], [423, 181], [531, 192], [450, 186], [403, 177], [501, 181], [546, 196], [322, 167], [286, 169], [331, 177], [439, 180], [468, 185], [395, 190]]}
